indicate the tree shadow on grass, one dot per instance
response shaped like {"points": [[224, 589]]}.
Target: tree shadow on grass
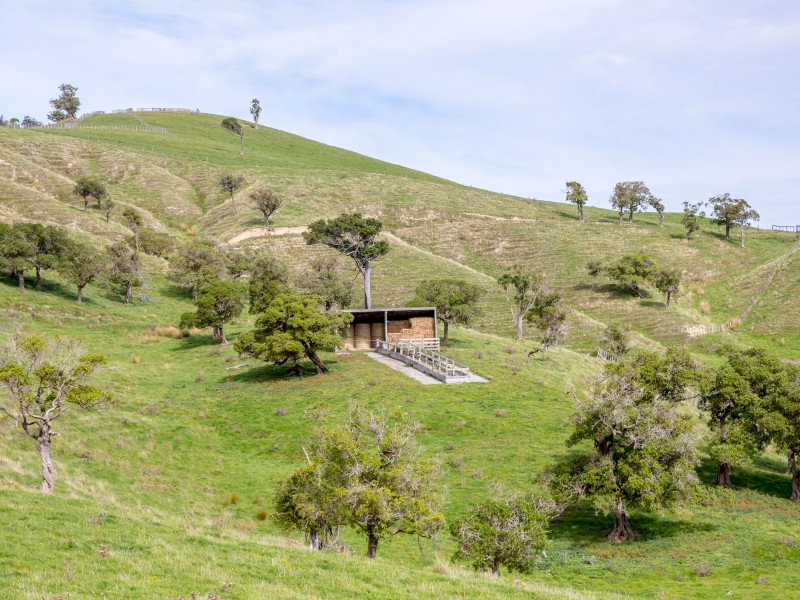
{"points": [[581, 525], [175, 292], [652, 303], [199, 341], [49, 287], [766, 475], [259, 372]]}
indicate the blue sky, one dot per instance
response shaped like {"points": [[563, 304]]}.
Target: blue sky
{"points": [[694, 98]]}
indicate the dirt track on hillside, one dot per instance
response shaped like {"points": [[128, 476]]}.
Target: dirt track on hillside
{"points": [[261, 232]]}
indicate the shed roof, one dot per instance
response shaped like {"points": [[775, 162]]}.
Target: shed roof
{"points": [[400, 312]]}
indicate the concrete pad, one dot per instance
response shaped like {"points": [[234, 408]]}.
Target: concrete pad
{"points": [[403, 368]]}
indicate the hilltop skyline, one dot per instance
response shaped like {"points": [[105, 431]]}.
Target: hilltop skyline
{"points": [[693, 100]]}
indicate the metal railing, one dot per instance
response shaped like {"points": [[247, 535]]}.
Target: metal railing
{"points": [[789, 228], [429, 343], [444, 365]]}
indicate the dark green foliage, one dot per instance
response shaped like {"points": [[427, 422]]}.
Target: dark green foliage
{"points": [[692, 214], [659, 207], [43, 381], [616, 340], [668, 282], [30, 122], [456, 301], [66, 105], [577, 195], [89, 188], [195, 264], [155, 243], [643, 445], [124, 271], [355, 237], [294, 327], [217, 303], [106, 204], [230, 184], [325, 279], [80, 265], [17, 252], [594, 267], [268, 279], [782, 419], [737, 397], [730, 212], [133, 219], [630, 197], [504, 530], [549, 315], [523, 289], [233, 126], [49, 245], [632, 271]]}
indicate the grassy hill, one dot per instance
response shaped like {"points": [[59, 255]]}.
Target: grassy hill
{"points": [[163, 495]]}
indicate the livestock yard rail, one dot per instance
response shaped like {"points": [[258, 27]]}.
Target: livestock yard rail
{"points": [[788, 228], [428, 361]]}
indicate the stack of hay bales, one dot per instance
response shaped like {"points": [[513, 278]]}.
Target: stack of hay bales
{"points": [[376, 333], [422, 327], [397, 328], [361, 336]]}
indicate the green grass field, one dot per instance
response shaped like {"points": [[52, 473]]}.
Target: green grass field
{"points": [[162, 494]]}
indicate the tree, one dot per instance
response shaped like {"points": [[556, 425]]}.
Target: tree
{"points": [[668, 282], [124, 269], [133, 219], [44, 381], [659, 207], [456, 301], [325, 280], [736, 396], [230, 183], [577, 195], [195, 264], [355, 237], [643, 446], [255, 110], [155, 243], [238, 262], [616, 340], [233, 126], [268, 279], [782, 421], [522, 290], [550, 316], [66, 105], [218, 302], [80, 265], [267, 201], [691, 218], [730, 212], [48, 243], [630, 197], [106, 205], [504, 530], [89, 188], [17, 252], [291, 328], [633, 271], [595, 267], [30, 122], [14, 122]]}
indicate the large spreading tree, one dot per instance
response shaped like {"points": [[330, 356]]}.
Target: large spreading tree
{"points": [[217, 303], [42, 382], [632, 271], [355, 237], [17, 252], [643, 444], [294, 327], [456, 301], [80, 265], [86, 188], [732, 212], [195, 264], [630, 197]]}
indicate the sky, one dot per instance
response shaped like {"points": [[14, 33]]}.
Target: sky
{"points": [[696, 99]]}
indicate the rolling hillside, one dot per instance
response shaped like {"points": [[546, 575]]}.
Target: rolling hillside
{"points": [[170, 491]]}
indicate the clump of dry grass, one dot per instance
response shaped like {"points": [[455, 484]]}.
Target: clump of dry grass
{"points": [[189, 229], [154, 333], [705, 307]]}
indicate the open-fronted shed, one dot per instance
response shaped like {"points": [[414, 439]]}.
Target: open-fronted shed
{"points": [[408, 324]]}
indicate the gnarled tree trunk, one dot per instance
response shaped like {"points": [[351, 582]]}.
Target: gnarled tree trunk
{"points": [[80, 294], [796, 486], [580, 212], [128, 293], [621, 532], [446, 332], [314, 540], [21, 278], [222, 337], [495, 567], [724, 475], [39, 278], [320, 366], [48, 472]]}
